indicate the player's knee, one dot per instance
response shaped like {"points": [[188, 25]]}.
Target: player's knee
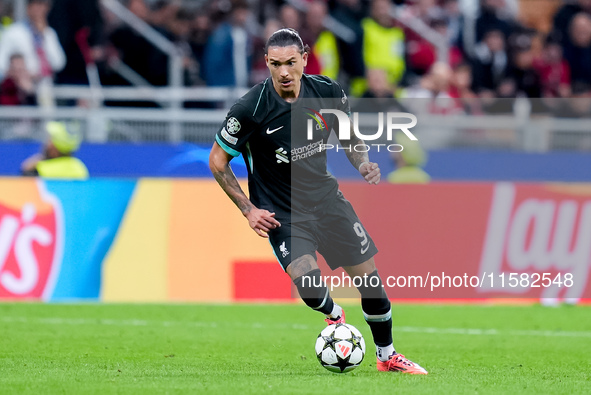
{"points": [[312, 290], [374, 300], [301, 266]]}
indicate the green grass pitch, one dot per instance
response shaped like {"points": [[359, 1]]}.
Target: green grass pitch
{"points": [[257, 349]]}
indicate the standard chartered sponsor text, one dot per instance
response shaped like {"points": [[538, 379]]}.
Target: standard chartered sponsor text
{"points": [[306, 151]]}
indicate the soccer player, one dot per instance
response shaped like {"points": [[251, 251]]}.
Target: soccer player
{"points": [[294, 201]]}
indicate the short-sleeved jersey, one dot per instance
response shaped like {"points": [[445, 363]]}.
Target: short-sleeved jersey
{"points": [[287, 171]]}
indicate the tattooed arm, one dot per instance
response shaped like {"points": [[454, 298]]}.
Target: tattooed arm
{"points": [[261, 221], [360, 160]]}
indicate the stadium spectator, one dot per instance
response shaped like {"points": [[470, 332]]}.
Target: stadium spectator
{"points": [[419, 53], [176, 31], [383, 42], [218, 10], [553, 69], [577, 48], [163, 13], [228, 54], [260, 71], [131, 47], [564, 16], [200, 32], [324, 54], [378, 85], [350, 13], [57, 159], [423, 9], [461, 81], [451, 10], [18, 87], [78, 22], [461, 89], [422, 54], [493, 16], [380, 94], [432, 97], [434, 87], [521, 70], [36, 41], [290, 17], [490, 63]]}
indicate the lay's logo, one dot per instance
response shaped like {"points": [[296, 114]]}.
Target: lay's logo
{"points": [[532, 230], [31, 240]]}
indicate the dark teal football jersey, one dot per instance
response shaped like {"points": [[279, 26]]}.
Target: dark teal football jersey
{"points": [[281, 144]]}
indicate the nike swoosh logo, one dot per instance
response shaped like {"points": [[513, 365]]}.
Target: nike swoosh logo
{"points": [[274, 130], [363, 251]]}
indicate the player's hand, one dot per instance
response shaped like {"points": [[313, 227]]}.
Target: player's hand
{"points": [[262, 221], [371, 172]]}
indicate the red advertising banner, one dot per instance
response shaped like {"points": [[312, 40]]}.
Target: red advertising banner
{"points": [[463, 240]]}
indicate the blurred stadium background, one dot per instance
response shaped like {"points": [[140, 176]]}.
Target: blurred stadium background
{"points": [[501, 89], [502, 92]]}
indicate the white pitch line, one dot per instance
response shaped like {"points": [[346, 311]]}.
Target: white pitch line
{"points": [[258, 325], [491, 332]]}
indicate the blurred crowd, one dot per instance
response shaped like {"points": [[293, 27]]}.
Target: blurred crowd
{"points": [[496, 47]]}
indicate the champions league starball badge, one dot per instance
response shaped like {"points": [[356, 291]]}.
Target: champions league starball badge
{"points": [[233, 126]]}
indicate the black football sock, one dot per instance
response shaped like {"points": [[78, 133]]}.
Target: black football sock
{"points": [[314, 292], [377, 309]]}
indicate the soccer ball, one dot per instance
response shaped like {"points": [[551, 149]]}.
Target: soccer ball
{"points": [[340, 348]]}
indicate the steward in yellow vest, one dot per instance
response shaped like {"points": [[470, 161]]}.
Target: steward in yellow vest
{"points": [[383, 46], [57, 161], [327, 52]]}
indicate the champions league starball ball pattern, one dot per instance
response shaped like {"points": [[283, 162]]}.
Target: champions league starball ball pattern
{"points": [[233, 126], [340, 348]]}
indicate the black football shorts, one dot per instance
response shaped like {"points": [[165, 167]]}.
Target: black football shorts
{"points": [[335, 232]]}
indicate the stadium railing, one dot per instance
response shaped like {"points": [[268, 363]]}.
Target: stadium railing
{"points": [[516, 130]]}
